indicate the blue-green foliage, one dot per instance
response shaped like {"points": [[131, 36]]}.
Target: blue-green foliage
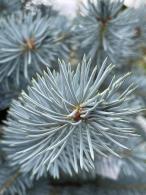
{"points": [[66, 117], [8, 91], [28, 44], [132, 162], [141, 26], [72, 124], [9, 6], [53, 37], [104, 29], [12, 182]]}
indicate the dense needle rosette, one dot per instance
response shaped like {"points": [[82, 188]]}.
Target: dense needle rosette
{"points": [[29, 43], [104, 29], [67, 117]]}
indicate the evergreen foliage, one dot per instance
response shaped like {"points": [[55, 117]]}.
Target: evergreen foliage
{"points": [[28, 43], [6, 95], [9, 90], [11, 181], [131, 164], [76, 126], [66, 117], [8, 7], [106, 30]]}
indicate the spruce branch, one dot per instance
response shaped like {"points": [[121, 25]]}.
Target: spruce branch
{"points": [[65, 118], [29, 44], [105, 30]]}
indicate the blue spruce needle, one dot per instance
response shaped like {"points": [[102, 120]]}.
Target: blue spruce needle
{"points": [[66, 117]]}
